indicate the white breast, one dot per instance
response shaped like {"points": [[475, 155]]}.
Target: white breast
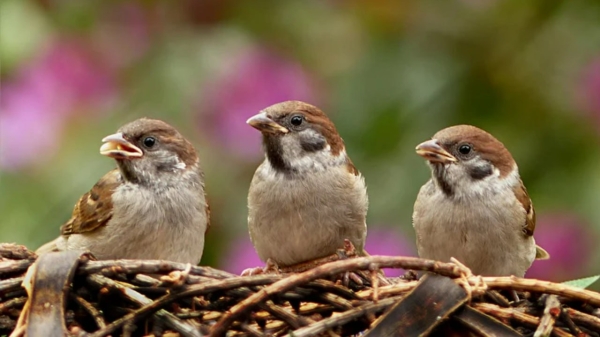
{"points": [[148, 224], [293, 220], [482, 230]]}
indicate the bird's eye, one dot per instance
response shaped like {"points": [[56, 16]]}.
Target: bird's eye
{"points": [[464, 149], [296, 120], [149, 142]]}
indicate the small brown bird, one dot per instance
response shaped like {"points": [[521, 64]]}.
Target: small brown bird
{"points": [[475, 207], [152, 206], [307, 196]]}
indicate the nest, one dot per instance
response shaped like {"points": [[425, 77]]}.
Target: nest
{"points": [[71, 293]]}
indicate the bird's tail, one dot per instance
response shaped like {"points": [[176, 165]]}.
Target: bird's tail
{"points": [[541, 253]]}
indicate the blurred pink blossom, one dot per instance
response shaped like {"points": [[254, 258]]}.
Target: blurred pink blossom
{"points": [[590, 89], [35, 104], [389, 241], [258, 79], [380, 241], [240, 255], [569, 242]]}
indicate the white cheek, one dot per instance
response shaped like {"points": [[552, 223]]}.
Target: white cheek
{"points": [[181, 165], [466, 186]]}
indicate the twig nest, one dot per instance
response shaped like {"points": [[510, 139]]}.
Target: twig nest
{"points": [[71, 293]]}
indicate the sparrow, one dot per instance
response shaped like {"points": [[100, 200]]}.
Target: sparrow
{"points": [[475, 207], [152, 206], [306, 198]]}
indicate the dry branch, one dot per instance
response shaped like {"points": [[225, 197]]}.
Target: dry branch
{"points": [[152, 298]]}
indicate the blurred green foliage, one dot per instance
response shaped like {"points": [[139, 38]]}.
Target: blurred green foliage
{"points": [[389, 73]]}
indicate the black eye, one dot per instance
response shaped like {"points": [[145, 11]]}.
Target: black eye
{"points": [[149, 142], [296, 120], [464, 149]]}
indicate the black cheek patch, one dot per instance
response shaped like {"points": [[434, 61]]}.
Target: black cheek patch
{"points": [[480, 172], [313, 144]]}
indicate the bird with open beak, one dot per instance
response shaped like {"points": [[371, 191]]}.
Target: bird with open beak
{"points": [[152, 206], [306, 197], [475, 207]]}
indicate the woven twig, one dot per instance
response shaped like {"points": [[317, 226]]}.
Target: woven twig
{"points": [[160, 297]]}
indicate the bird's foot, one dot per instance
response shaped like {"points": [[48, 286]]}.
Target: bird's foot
{"points": [[270, 268], [177, 278]]}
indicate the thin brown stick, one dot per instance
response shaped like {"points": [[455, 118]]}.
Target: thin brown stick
{"points": [[551, 312], [386, 291], [91, 310], [14, 266], [12, 303], [508, 314], [111, 267], [575, 330], [560, 289], [12, 251], [291, 319], [251, 331], [584, 319]]}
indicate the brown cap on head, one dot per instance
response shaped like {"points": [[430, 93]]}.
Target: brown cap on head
{"points": [[128, 142], [443, 143], [273, 120]]}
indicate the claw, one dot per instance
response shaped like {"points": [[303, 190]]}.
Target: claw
{"points": [[270, 268], [177, 278]]}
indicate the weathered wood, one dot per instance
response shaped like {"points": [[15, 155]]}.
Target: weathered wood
{"points": [[431, 302], [484, 325]]}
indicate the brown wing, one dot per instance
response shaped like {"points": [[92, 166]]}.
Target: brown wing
{"points": [[350, 167], [529, 226], [94, 208], [207, 215], [523, 197]]}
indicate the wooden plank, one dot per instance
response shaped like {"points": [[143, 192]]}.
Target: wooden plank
{"points": [[431, 302]]}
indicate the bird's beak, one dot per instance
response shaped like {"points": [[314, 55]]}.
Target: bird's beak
{"points": [[434, 153], [115, 146], [265, 124]]}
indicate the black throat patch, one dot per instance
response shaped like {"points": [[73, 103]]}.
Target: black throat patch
{"points": [[127, 171], [274, 152], [438, 175]]}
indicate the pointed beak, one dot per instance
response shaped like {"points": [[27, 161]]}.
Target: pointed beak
{"points": [[265, 124], [434, 153], [115, 146]]}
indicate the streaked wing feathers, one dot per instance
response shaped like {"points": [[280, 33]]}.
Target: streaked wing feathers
{"points": [[521, 194], [94, 209]]}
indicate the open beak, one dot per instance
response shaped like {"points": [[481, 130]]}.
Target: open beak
{"points": [[115, 146], [434, 153], [265, 124]]}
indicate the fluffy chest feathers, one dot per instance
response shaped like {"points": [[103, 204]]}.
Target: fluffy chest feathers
{"points": [[298, 217], [157, 221], [481, 227]]}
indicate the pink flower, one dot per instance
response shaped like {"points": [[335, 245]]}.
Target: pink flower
{"points": [[240, 255], [569, 243], [258, 79], [34, 106], [389, 241]]}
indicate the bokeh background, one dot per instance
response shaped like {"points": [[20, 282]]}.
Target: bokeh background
{"points": [[389, 73]]}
